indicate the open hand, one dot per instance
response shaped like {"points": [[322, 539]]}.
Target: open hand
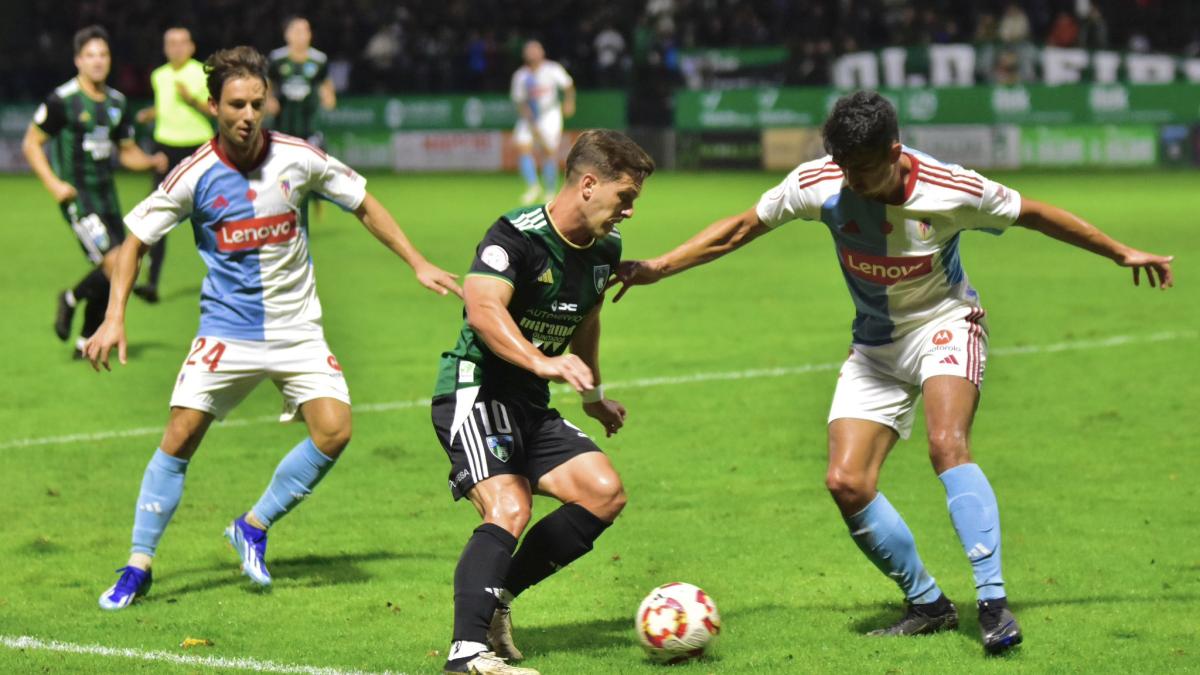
{"points": [[1153, 265], [437, 279], [633, 273], [110, 334], [567, 368]]}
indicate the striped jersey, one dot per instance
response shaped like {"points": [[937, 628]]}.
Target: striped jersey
{"points": [[296, 85], [900, 262], [556, 283], [540, 88], [86, 137], [252, 233]]}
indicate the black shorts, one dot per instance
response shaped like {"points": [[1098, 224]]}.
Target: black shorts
{"points": [[97, 233], [502, 436]]}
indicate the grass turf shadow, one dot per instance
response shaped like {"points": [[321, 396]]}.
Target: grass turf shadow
{"points": [[307, 571], [597, 634]]}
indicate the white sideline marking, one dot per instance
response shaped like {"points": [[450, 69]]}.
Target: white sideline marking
{"points": [[642, 383], [235, 663]]}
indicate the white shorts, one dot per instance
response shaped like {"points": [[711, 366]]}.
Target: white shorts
{"points": [[549, 129], [882, 383], [219, 372]]}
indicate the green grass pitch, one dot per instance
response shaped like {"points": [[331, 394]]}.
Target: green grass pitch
{"points": [[1087, 429]]}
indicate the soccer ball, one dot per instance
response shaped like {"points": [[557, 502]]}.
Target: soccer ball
{"points": [[676, 622]]}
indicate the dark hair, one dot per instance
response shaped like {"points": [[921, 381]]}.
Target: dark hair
{"points": [[610, 153], [227, 64], [293, 18], [87, 34], [862, 121]]}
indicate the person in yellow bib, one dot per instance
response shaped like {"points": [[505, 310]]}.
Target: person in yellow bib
{"points": [[181, 124]]}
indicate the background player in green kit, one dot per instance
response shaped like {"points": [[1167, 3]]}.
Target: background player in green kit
{"points": [[300, 85], [535, 288], [181, 124], [87, 120]]}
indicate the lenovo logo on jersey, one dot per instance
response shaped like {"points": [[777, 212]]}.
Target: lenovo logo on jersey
{"points": [[242, 235], [885, 270]]}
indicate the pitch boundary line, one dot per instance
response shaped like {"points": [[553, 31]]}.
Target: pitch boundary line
{"points": [[641, 383], [24, 642]]}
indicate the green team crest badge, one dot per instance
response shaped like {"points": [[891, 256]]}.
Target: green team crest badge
{"points": [[600, 274], [500, 446]]}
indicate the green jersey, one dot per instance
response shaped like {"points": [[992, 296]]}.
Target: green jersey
{"points": [[86, 135], [555, 285], [296, 86]]}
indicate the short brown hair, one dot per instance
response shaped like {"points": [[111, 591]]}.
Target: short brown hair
{"points": [[610, 153], [86, 35], [227, 64]]}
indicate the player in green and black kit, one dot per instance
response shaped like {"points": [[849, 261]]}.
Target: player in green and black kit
{"points": [[87, 120], [300, 84], [535, 288]]}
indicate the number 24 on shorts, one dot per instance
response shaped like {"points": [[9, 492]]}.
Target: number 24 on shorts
{"points": [[212, 358]]}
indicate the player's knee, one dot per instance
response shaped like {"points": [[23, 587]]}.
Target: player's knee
{"points": [[512, 515], [332, 442], [848, 488], [948, 448], [609, 502]]}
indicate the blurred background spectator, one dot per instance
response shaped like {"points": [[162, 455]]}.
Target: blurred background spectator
{"points": [[473, 45]]}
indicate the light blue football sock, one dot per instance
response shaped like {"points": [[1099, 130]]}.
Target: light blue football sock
{"points": [[886, 540], [976, 518], [294, 479], [528, 169], [550, 175], [162, 488]]}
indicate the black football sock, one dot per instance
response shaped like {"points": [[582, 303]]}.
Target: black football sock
{"points": [[97, 305], [478, 579], [158, 253], [90, 284], [552, 543]]}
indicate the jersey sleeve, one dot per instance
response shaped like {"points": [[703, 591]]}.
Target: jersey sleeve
{"points": [[503, 253], [788, 201], [516, 91], [563, 78], [159, 213], [51, 115], [337, 182], [998, 208]]}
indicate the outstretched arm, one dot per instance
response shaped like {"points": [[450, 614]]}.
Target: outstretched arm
{"points": [[487, 301], [111, 333], [380, 223], [1066, 226], [724, 236], [585, 343]]}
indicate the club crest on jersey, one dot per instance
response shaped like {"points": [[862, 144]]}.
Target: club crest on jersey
{"points": [[114, 114], [500, 445], [600, 274], [285, 186]]}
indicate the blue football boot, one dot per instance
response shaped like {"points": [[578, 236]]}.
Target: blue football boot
{"points": [[133, 584], [250, 543]]}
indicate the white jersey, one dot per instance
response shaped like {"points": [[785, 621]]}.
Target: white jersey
{"points": [[540, 88], [900, 262], [251, 230]]}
